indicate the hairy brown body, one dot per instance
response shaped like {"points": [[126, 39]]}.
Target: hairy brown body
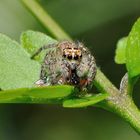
{"points": [[67, 63]]}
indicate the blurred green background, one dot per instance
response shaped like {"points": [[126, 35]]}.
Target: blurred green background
{"points": [[97, 23]]}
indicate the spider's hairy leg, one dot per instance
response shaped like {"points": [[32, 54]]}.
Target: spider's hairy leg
{"points": [[43, 79], [86, 70], [92, 69], [65, 74], [43, 48], [92, 72]]}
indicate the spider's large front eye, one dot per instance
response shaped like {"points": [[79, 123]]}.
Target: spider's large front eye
{"points": [[64, 55], [69, 57], [76, 57]]}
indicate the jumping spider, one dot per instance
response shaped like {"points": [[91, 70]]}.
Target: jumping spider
{"points": [[67, 63]]}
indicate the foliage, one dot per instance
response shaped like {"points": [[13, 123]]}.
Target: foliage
{"points": [[84, 101], [128, 51], [51, 94], [19, 71], [31, 41], [120, 51], [26, 71]]}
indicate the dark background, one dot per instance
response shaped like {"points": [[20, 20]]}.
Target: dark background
{"points": [[97, 23]]}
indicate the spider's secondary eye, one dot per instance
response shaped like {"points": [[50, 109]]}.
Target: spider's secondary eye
{"points": [[69, 57], [76, 57], [64, 55]]}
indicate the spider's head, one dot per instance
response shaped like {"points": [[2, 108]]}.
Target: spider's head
{"points": [[72, 53]]}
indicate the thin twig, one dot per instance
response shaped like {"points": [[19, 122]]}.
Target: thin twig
{"points": [[46, 19]]}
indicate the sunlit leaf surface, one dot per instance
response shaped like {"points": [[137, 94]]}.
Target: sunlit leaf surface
{"points": [[85, 101], [133, 50], [32, 41], [17, 70], [120, 56], [50, 94]]}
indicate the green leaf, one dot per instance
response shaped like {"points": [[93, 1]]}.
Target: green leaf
{"points": [[50, 94], [17, 70], [133, 50], [32, 41], [120, 57], [85, 101]]}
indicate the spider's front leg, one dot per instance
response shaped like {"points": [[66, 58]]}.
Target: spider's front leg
{"points": [[92, 71], [43, 48], [86, 71], [65, 74], [44, 78]]}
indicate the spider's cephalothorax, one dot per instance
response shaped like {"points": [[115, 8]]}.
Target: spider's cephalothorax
{"points": [[67, 63]]}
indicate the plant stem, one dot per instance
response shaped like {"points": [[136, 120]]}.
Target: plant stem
{"points": [[117, 102], [45, 19], [125, 108]]}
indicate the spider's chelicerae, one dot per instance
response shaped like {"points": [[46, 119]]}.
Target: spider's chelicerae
{"points": [[67, 63]]}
